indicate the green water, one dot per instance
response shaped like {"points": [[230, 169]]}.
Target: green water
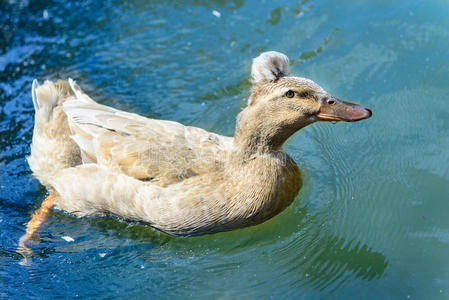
{"points": [[371, 221]]}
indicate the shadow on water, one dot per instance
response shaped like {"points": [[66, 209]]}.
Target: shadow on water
{"points": [[304, 251]]}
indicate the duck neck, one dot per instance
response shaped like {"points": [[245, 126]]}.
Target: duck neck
{"points": [[257, 132]]}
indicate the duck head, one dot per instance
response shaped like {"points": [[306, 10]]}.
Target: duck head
{"points": [[281, 104]]}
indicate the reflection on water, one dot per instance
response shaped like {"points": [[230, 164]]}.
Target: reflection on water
{"points": [[320, 261], [371, 219]]}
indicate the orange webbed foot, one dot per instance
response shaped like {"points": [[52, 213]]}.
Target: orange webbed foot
{"points": [[33, 226]]}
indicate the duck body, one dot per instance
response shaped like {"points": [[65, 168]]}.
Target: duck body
{"points": [[200, 204], [182, 180]]}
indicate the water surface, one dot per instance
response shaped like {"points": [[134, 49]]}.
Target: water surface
{"points": [[371, 221]]}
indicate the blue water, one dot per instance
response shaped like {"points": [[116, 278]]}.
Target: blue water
{"points": [[371, 221]]}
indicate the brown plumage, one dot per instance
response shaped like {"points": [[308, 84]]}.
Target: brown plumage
{"points": [[97, 160]]}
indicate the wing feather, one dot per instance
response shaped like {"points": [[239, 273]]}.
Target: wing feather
{"points": [[147, 149]]}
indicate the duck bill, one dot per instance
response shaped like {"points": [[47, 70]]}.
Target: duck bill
{"points": [[337, 110]]}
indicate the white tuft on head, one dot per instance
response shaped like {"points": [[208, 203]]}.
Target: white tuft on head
{"points": [[270, 66]]}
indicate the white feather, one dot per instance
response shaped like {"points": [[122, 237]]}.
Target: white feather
{"points": [[68, 238], [84, 144], [79, 94], [33, 94], [270, 66], [83, 115], [76, 91]]}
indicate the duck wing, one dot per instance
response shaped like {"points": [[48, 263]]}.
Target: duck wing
{"points": [[164, 152]]}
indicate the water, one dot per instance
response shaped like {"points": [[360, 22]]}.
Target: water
{"points": [[371, 221]]}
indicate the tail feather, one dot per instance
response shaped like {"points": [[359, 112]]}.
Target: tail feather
{"points": [[33, 94], [52, 148], [47, 96], [78, 92], [75, 88]]}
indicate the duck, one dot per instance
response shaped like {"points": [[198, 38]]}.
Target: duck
{"points": [[96, 160]]}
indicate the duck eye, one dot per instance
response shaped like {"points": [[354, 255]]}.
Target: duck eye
{"points": [[290, 94]]}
